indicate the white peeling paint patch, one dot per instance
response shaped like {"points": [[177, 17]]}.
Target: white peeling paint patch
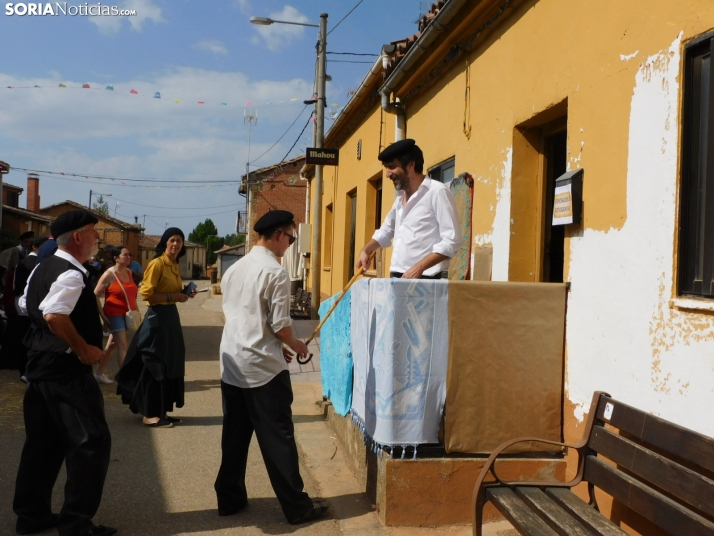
{"points": [[499, 237], [622, 337], [628, 57], [502, 222]]}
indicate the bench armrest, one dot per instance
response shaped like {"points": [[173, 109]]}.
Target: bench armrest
{"points": [[489, 467]]}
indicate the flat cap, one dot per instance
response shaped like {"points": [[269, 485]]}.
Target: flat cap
{"points": [[273, 219], [396, 149], [71, 221]]}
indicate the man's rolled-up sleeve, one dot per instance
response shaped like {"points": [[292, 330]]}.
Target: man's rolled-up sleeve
{"points": [[278, 296], [385, 233], [449, 228], [63, 295]]}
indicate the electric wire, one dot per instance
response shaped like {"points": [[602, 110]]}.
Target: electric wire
{"points": [[281, 137], [298, 138], [343, 18], [353, 54]]}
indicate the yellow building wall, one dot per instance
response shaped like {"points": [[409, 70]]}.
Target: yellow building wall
{"points": [[590, 61], [351, 175], [586, 59]]}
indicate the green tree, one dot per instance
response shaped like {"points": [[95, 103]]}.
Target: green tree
{"points": [[206, 234], [100, 205], [234, 239]]}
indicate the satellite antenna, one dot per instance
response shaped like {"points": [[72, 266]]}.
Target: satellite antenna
{"points": [[424, 8]]}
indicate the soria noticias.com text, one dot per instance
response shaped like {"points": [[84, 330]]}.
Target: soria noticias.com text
{"points": [[63, 8]]}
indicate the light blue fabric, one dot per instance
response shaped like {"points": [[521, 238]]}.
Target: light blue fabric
{"points": [[400, 347], [336, 354]]}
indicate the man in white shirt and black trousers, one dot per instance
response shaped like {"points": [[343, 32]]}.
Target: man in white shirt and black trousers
{"points": [[255, 382], [63, 405], [422, 221]]}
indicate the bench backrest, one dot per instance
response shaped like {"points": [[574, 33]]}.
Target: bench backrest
{"points": [[664, 472]]}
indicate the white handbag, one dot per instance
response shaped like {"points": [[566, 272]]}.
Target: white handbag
{"points": [[131, 318]]}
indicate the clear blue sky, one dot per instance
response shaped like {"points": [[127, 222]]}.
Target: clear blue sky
{"points": [[188, 50]]}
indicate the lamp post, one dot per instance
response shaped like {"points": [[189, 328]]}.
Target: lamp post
{"points": [[320, 104]]}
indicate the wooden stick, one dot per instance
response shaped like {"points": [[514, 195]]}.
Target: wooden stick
{"points": [[339, 298]]}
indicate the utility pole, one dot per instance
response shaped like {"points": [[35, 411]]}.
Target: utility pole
{"points": [[320, 105], [249, 118]]}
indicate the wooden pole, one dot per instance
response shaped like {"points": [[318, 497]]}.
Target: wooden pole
{"points": [[339, 298]]}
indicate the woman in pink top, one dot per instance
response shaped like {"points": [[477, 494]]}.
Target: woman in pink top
{"points": [[115, 307]]}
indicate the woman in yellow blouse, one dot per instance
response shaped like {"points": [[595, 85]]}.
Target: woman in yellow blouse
{"points": [[151, 380]]}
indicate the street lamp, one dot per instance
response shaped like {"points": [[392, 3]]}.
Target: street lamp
{"points": [[320, 105]]}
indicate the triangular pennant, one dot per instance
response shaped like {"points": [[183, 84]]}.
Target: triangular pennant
{"points": [[157, 95], [85, 86], [134, 92], [62, 85], [110, 87]]}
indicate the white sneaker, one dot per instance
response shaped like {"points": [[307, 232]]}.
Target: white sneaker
{"points": [[102, 378]]}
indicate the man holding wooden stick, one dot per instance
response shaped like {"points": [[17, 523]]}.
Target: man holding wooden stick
{"points": [[422, 221], [255, 382]]}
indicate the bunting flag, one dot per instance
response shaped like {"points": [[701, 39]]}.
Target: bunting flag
{"points": [[332, 113]]}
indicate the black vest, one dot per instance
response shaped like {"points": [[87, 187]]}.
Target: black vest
{"points": [[47, 355]]}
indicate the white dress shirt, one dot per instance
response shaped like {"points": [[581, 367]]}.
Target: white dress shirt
{"points": [[427, 223], [256, 304], [64, 292]]}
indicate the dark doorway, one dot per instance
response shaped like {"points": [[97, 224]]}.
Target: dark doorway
{"points": [[352, 207], [556, 147]]}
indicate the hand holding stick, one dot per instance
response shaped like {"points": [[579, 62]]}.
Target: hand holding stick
{"points": [[334, 305]]}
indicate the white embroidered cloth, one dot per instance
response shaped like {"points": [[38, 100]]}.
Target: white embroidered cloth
{"points": [[400, 345]]}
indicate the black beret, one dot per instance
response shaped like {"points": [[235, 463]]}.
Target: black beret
{"points": [[71, 221], [272, 220], [27, 234], [395, 150]]}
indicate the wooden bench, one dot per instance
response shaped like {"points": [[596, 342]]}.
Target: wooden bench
{"points": [[661, 470]]}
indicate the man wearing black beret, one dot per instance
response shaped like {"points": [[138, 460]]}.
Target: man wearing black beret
{"points": [[422, 221], [255, 382], [63, 406]]}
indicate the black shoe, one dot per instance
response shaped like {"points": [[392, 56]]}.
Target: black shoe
{"points": [[30, 527], [316, 512], [172, 420], [100, 530], [231, 511]]}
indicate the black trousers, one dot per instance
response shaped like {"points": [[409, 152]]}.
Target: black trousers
{"points": [[64, 422], [265, 410]]}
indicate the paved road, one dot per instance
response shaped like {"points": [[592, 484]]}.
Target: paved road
{"points": [[160, 481]]}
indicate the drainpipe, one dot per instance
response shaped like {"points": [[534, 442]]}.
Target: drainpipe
{"points": [[410, 59], [392, 107]]}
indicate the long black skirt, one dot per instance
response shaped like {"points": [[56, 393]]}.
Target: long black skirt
{"points": [[151, 380]]}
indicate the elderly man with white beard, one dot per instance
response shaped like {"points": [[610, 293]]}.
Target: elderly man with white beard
{"points": [[63, 405]]}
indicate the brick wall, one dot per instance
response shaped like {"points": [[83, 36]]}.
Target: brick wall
{"points": [[33, 192], [109, 232], [280, 190]]}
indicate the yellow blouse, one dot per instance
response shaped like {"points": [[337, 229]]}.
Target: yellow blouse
{"points": [[161, 276]]}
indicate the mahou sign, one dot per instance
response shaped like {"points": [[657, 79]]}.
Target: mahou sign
{"points": [[324, 157]]}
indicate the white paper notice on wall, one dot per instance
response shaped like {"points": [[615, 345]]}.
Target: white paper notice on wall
{"points": [[563, 205], [607, 414]]}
